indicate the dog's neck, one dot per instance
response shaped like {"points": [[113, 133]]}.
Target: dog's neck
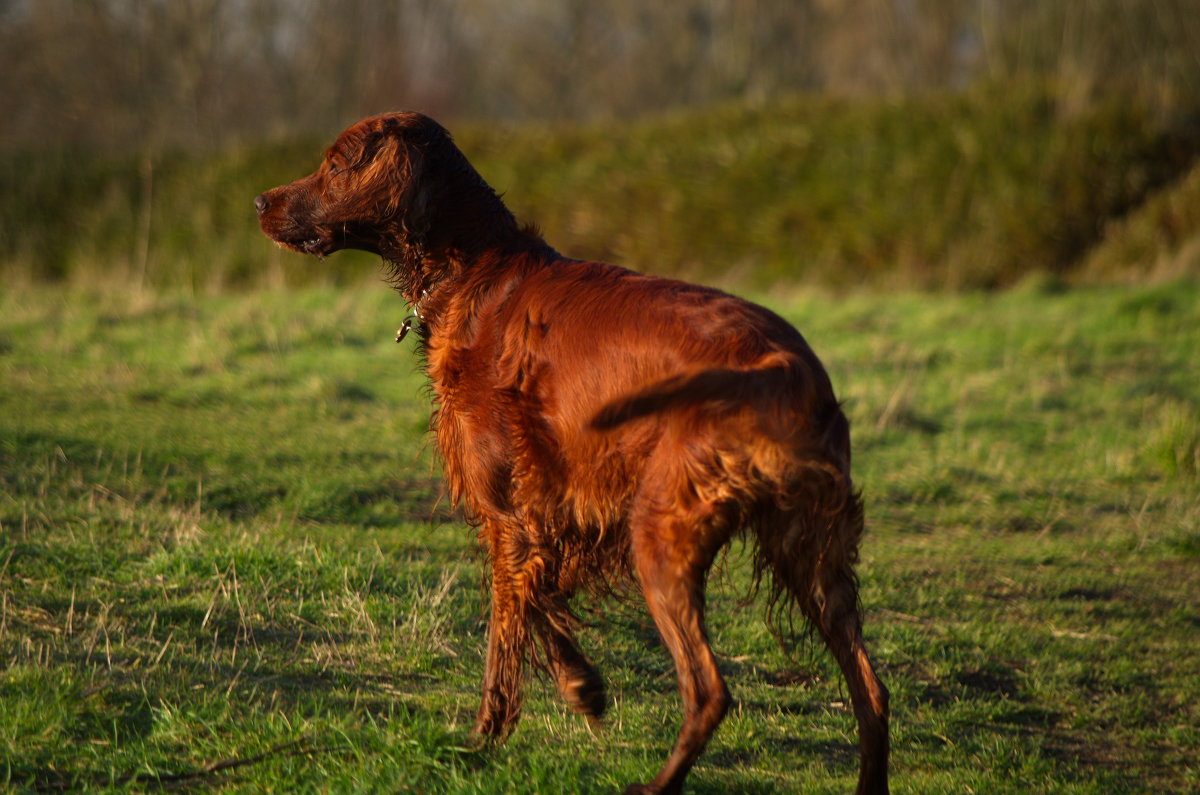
{"points": [[471, 230], [466, 283], [465, 220]]}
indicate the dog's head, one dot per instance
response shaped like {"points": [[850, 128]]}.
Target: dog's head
{"points": [[371, 191]]}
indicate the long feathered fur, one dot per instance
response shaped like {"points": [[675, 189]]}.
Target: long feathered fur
{"points": [[601, 427]]}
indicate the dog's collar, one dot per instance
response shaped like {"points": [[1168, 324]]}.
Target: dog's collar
{"points": [[415, 316]]}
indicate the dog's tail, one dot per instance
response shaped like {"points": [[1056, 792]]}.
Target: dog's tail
{"points": [[718, 387], [808, 532]]}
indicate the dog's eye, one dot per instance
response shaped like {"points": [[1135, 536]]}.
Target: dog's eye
{"points": [[336, 162]]}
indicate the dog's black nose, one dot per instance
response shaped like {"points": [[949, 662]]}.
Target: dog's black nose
{"points": [[260, 202]]}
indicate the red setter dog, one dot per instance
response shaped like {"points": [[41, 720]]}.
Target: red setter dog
{"points": [[594, 423]]}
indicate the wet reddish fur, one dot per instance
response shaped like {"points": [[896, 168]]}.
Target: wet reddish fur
{"points": [[596, 423]]}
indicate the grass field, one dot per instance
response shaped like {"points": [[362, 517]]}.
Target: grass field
{"points": [[225, 561]]}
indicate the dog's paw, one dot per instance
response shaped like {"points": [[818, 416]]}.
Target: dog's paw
{"points": [[588, 697]]}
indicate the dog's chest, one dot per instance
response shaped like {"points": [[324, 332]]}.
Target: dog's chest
{"points": [[513, 445]]}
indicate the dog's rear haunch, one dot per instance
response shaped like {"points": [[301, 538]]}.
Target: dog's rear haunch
{"points": [[595, 424]]}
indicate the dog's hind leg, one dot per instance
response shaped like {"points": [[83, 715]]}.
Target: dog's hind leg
{"points": [[839, 622], [672, 557], [821, 578]]}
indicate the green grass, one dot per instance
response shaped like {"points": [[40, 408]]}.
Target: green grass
{"points": [[225, 560]]}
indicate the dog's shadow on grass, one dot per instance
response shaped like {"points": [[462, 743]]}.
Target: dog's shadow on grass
{"points": [[373, 695], [128, 706]]}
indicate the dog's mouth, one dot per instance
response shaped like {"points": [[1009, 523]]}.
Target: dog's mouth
{"points": [[317, 244], [304, 234], [294, 234]]}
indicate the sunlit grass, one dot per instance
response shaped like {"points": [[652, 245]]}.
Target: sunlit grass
{"points": [[226, 558]]}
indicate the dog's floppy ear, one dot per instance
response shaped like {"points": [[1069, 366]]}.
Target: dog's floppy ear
{"points": [[392, 169]]}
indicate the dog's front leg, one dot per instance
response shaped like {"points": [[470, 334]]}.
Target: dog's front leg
{"points": [[508, 637]]}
